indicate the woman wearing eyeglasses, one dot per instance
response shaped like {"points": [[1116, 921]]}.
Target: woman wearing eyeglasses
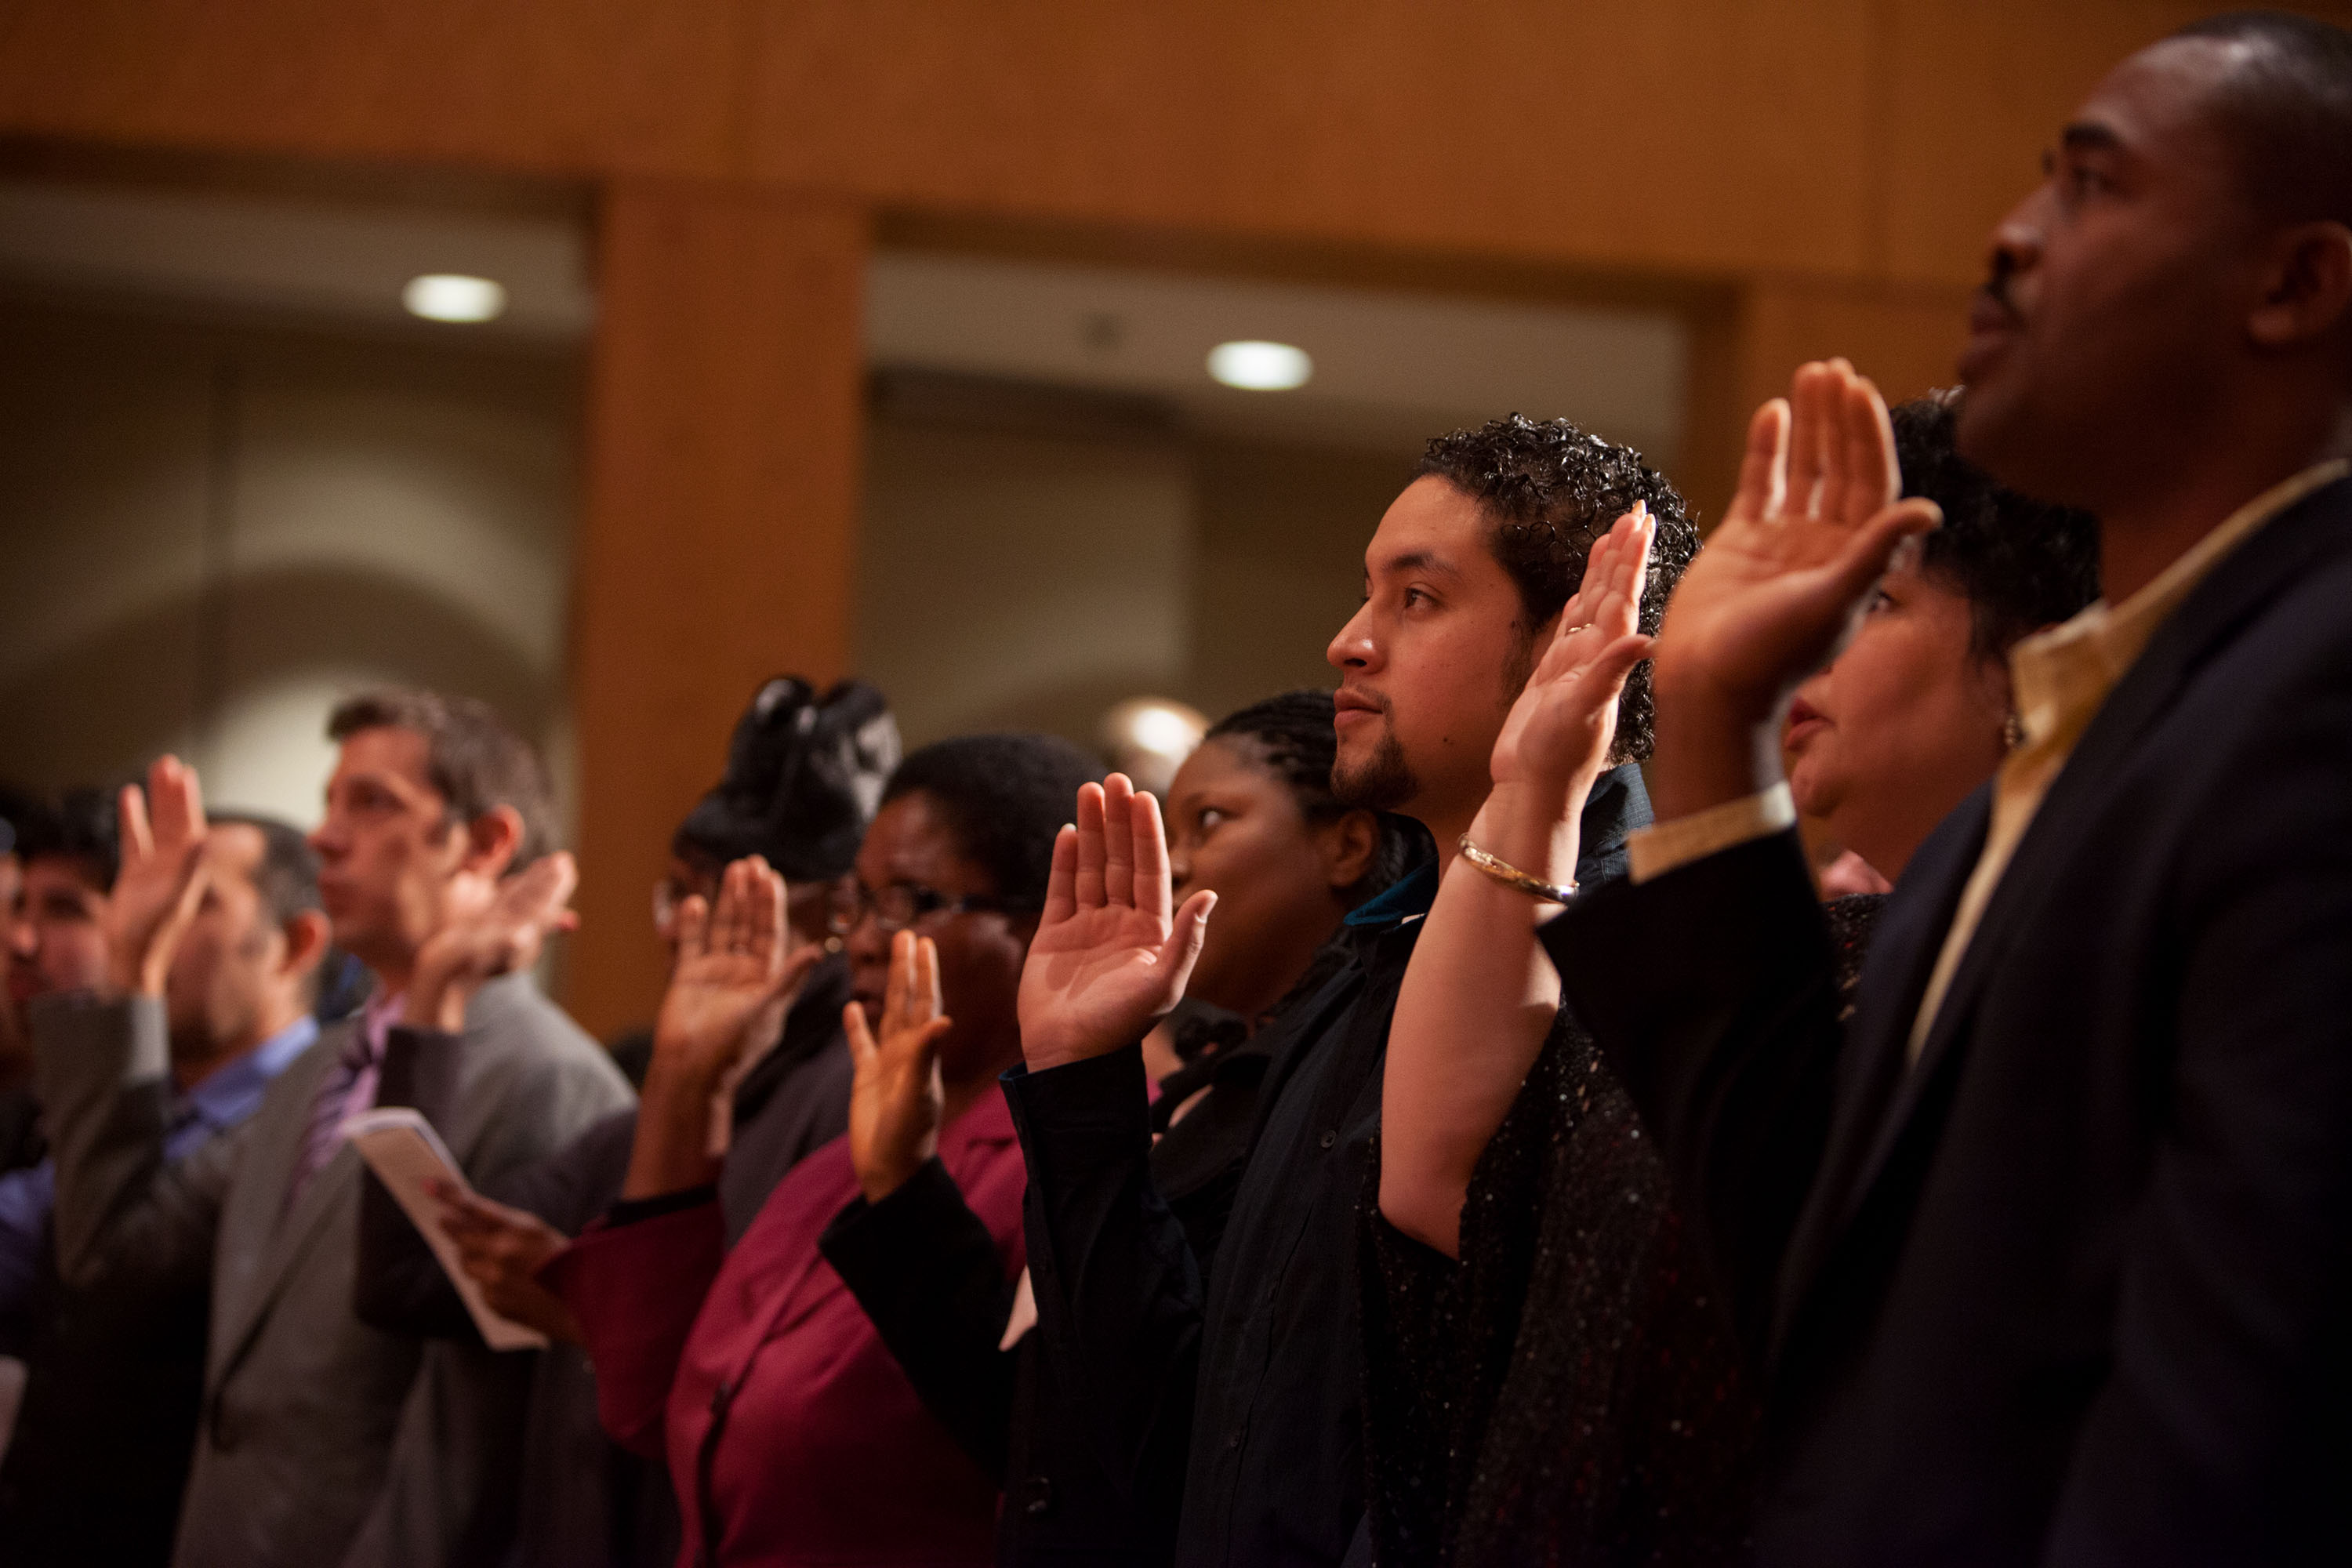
{"points": [[791, 1433]]}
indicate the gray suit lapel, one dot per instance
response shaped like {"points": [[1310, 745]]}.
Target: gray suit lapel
{"points": [[260, 1240]]}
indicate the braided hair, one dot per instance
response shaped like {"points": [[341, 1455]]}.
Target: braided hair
{"points": [[1291, 737]]}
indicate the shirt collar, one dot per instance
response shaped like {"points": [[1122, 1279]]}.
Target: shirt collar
{"points": [[231, 1094], [1405, 900], [2061, 676]]}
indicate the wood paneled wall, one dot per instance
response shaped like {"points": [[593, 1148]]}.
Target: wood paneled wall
{"points": [[1802, 176], [725, 412]]}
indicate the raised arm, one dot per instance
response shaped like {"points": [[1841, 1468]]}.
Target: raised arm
{"points": [[634, 1282], [1707, 976], [920, 1262], [1478, 999], [125, 1215], [1118, 1293], [398, 1284], [734, 961], [1777, 589]]}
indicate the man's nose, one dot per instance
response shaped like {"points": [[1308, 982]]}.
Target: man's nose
{"points": [[2015, 247], [1353, 649]]}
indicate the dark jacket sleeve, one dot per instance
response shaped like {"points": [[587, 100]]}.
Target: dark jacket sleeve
{"points": [[930, 1278], [400, 1286], [1713, 992], [1118, 1293]]}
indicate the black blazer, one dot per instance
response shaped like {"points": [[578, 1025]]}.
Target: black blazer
{"points": [[2076, 1288]]}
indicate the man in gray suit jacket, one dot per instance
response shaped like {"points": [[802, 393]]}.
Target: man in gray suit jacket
{"points": [[324, 1440]]}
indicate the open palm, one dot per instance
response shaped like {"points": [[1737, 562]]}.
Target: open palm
{"points": [[162, 879], [1108, 957], [1560, 728], [897, 1100], [732, 963], [1785, 575]]}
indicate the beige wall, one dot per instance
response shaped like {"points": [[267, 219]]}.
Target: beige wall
{"points": [[212, 533], [1019, 577], [1282, 537], [1012, 580]]}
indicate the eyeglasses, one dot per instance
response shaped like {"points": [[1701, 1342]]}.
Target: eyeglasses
{"points": [[900, 905]]}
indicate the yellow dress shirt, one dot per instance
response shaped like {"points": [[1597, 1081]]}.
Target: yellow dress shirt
{"points": [[2060, 678]]}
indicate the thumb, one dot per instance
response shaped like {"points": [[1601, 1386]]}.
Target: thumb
{"points": [[1182, 948], [1864, 558]]}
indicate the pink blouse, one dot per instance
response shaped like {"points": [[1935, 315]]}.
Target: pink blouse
{"points": [[792, 1435]]}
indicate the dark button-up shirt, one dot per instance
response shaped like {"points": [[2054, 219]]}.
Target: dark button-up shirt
{"points": [[1253, 1386]]}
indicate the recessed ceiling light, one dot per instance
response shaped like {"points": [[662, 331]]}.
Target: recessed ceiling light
{"points": [[453, 297], [1257, 366]]}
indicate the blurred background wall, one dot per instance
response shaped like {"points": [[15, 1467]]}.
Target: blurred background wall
{"points": [[869, 335]]}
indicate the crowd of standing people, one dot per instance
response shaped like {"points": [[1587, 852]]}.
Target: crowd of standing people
{"points": [[1827, 1044]]}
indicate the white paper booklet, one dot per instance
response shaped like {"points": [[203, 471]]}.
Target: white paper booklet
{"points": [[402, 1150]]}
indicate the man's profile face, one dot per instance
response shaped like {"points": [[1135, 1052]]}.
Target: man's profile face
{"points": [[223, 975], [56, 937], [1422, 664], [388, 851], [2118, 288]]}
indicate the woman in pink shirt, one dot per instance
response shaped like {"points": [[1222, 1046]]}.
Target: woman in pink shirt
{"points": [[791, 1434]]}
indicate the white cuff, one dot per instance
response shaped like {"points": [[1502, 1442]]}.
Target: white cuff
{"points": [[1654, 851]]}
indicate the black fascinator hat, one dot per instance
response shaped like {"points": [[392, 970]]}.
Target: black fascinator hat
{"points": [[804, 775]]}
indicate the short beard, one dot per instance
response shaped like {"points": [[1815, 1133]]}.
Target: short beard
{"points": [[1386, 783]]}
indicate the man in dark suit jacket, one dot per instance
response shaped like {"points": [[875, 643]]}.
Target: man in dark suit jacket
{"points": [[2049, 1254]]}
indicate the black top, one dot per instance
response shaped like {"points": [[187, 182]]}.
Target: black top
{"points": [[927, 1273], [1253, 1381], [585, 1500], [1572, 1390], [2075, 1286]]}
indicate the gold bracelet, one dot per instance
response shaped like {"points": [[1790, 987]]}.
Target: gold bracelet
{"points": [[1511, 877]]}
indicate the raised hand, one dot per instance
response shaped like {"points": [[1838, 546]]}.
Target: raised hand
{"points": [[502, 1250], [735, 961], [897, 1101], [160, 886], [496, 937], [1108, 958], [1779, 586], [1559, 729]]}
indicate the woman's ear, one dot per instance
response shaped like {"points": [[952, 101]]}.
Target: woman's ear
{"points": [[1349, 846]]}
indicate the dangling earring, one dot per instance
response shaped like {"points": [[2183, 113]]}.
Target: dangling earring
{"points": [[2012, 729], [832, 944]]}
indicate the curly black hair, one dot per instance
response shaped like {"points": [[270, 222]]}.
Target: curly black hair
{"points": [[1291, 736], [2020, 563], [1552, 489], [1006, 798]]}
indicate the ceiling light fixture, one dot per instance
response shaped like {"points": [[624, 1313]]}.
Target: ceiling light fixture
{"points": [[1257, 366], [453, 297]]}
